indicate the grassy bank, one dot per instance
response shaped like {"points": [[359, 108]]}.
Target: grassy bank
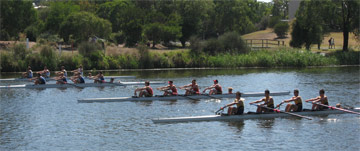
{"points": [[18, 58]]}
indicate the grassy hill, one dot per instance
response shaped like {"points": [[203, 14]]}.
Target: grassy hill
{"points": [[338, 36]]}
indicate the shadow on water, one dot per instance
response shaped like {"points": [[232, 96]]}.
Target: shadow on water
{"points": [[266, 123], [237, 124]]}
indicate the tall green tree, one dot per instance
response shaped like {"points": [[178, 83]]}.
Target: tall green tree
{"points": [[350, 10], [307, 28], [80, 26], [58, 12], [15, 17], [280, 8]]}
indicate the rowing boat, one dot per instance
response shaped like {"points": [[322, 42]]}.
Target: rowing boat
{"points": [[192, 97], [86, 78], [244, 116], [80, 85]]}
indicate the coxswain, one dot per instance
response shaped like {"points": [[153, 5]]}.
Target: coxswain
{"points": [[146, 91], [322, 99], [169, 90], [78, 79], [45, 73], [61, 79], [99, 78], [39, 79], [28, 73], [297, 106], [214, 89], [191, 88], [268, 101], [239, 102]]}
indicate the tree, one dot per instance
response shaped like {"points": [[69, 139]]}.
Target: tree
{"points": [[58, 11], [281, 29], [307, 28], [280, 8], [154, 32], [82, 25], [15, 17], [350, 19]]}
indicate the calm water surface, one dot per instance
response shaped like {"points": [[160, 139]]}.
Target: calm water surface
{"points": [[52, 119]]}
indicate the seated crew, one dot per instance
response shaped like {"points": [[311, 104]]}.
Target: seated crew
{"points": [[192, 88], [169, 90], [230, 89], [322, 99], [79, 70], [297, 106], [268, 101], [239, 102], [62, 71], [146, 91], [61, 79], [28, 73], [78, 79], [99, 78], [45, 73], [39, 79], [214, 89]]}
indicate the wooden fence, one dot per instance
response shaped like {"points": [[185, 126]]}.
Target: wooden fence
{"points": [[264, 43]]}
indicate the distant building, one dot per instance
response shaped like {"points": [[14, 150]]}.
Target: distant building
{"points": [[293, 7]]}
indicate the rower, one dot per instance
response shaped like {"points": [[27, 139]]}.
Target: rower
{"points": [[239, 102], [79, 70], [78, 79], [61, 79], [230, 89], [268, 101], [28, 73], [322, 99], [297, 106], [146, 91], [169, 90], [214, 89], [62, 71], [99, 78], [45, 73], [193, 88], [39, 79]]}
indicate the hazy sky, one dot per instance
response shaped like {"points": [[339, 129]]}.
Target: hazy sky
{"points": [[265, 0]]}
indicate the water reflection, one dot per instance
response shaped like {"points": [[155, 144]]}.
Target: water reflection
{"points": [[238, 124], [268, 123]]}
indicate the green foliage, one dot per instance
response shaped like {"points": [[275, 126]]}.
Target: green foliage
{"points": [[118, 38], [281, 29], [15, 17], [280, 8], [145, 57], [347, 57], [307, 28], [273, 21], [230, 42], [49, 57], [86, 48], [57, 14], [82, 25]]}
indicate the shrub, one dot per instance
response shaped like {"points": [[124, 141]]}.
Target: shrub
{"points": [[118, 38], [263, 24], [232, 43], [281, 29], [86, 48], [274, 20], [49, 57]]}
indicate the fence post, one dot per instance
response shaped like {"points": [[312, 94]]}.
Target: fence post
{"points": [[278, 43], [262, 43], [251, 43], [283, 43]]}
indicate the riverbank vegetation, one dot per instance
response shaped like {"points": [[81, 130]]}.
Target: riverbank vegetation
{"points": [[18, 58]]}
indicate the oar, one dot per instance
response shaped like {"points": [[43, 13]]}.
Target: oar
{"points": [[336, 108], [222, 108], [279, 111], [278, 106], [208, 95]]}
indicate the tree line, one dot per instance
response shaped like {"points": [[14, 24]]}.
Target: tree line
{"points": [[131, 22]]}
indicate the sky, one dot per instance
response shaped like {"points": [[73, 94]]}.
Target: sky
{"points": [[264, 0]]}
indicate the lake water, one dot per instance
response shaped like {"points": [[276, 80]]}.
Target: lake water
{"points": [[52, 119]]}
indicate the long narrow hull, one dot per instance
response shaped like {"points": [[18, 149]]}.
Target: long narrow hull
{"points": [[32, 86], [242, 117], [188, 97], [49, 79]]}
